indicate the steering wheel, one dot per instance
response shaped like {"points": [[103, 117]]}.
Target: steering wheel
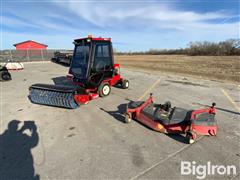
{"points": [[96, 79]]}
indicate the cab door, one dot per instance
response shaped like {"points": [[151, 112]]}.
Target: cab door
{"points": [[103, 59]]}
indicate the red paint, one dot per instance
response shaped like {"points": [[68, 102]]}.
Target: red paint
{"points": [[205, 130], [81, 98], [116, 66], [116, 78], [92, 92], [190, 127], [30, 45], [94, 39], [211, 110], [94, 96], [153, 124], [176, 128]]}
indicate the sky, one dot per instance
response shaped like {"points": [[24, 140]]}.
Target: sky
{"points": [[133, 25]]}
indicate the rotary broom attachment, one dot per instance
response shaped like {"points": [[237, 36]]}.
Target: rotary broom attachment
{"points": [[54, 95], [92, 72]]}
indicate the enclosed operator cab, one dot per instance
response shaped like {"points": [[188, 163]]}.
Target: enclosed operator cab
{"points": [[92, 61]]}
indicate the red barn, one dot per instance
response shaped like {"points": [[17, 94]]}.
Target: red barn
{"points": [[29, 45]]}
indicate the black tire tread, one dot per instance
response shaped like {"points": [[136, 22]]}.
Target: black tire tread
{"points": [[100, 88]]}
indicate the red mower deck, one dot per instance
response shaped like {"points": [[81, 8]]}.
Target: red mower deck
{"points": [[165, 119]]}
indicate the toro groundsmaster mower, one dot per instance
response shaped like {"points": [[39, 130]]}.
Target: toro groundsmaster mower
{"points": [[92, 72], [165, 119]]}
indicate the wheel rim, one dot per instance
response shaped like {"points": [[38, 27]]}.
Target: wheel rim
{"points": [[106, 90], [127, 118], [127, 84], [191, 141]]}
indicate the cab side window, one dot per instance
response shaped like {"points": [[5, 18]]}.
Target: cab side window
{"points": [[102, 59]]}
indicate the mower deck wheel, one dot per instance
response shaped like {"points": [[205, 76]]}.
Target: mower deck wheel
{"points": [[128, 118], [125, 84], [104, 89], [191, 141], [190, 138]]}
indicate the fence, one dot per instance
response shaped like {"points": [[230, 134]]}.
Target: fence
{"points": [[26, 55]]}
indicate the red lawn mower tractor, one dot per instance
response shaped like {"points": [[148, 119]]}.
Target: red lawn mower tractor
{"points": [[92, 72], [165, 119]]}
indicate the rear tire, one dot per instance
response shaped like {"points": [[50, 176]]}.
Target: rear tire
{"points": [[104, 89], [125, 84]]}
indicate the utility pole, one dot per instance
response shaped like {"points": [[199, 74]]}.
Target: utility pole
{"points": [[11, 55], [28, 55], [42, 54]]}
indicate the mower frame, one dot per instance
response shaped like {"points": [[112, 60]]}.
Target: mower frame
{"points": [[190, 128]]}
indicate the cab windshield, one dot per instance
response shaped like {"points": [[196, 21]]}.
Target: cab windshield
{"points": [[79, 65]]}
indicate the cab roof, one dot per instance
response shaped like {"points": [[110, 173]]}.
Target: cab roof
{"points": [[93, 38]]}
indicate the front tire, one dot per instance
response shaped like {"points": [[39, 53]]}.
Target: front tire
{"points": [[104, 89]]}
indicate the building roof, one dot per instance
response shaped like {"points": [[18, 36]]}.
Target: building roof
{"points": [[30, 41]]}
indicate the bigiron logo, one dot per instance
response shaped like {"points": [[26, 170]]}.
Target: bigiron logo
{"points": [[201, 171]]}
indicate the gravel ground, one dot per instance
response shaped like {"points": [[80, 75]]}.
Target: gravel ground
{"points": [[92, 142]]}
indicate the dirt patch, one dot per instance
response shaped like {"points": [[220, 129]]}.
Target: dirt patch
{"points": [[71, 135], [164, 84], [208, 67], [71, 128], [137, 156], [187, 83]]}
